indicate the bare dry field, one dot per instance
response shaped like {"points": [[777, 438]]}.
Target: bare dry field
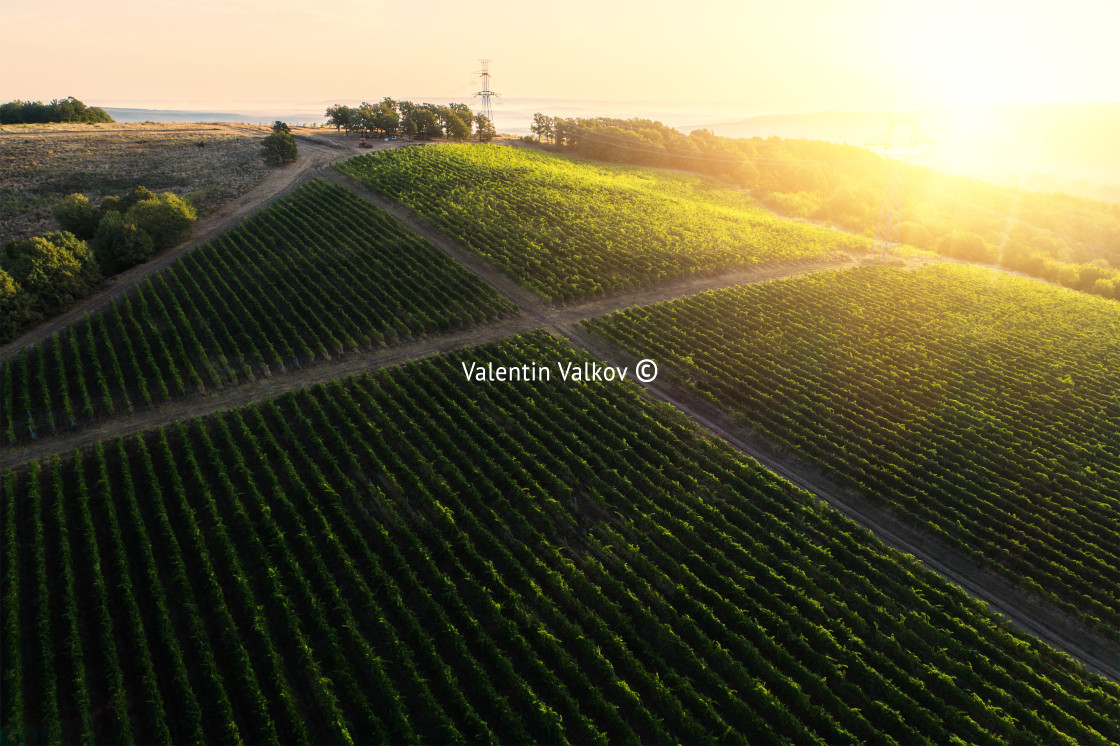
{"points": [[211, 164]]}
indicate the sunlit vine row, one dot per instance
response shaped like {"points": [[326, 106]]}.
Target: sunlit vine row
{"points": [[569, 230]]}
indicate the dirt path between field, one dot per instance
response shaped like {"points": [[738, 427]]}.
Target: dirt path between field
{"points": [[534, 315]]}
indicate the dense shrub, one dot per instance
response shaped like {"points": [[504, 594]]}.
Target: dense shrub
{"points": [[55, 269], [167, 218]]}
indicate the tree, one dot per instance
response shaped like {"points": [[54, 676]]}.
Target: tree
{"points": [[458, 126], [968, 246], [338, 116], [167, 219], [123, 204], [68, 109], [279, 148], [55, 269], [15, 308], [119, 244], [483, 127], [408, 123], [542, 127], [385, 116], [279, 126], [75, 213]]}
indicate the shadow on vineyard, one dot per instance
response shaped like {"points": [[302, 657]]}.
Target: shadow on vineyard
{"points": [[408, 556]]}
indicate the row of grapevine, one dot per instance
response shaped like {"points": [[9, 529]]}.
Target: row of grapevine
{"points": [[567, 229], [318, 274], [409, 557], [981, 407]]}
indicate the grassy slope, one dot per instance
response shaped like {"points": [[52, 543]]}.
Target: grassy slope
{"points": [[41, 163]]}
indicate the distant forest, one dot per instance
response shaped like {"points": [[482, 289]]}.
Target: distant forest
{"points": [[1067, 240], [67, 109]]}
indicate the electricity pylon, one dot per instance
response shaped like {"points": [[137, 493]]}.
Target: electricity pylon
{"points": [[486, 93]]}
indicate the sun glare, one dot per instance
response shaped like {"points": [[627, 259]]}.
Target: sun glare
{"points": [[964, 55]]}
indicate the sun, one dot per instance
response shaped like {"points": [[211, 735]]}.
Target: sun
{"points": [[965, 56]]}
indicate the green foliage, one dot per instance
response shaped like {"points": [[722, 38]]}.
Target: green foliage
{"points": [[484, 128], [15, 307], [122, 204], [120, 244], [570, 229], [845, 184], [406, 557], [168, 218], [279, 126], [388, 117], [981, 407], [59, 110], [77, 215], [797, 204], [279, 148], [317, 274], [970, 247], [542, 127], [54, 269]]}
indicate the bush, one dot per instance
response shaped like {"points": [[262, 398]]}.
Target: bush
{"points": [[797, 204], [125, 203], [279, 148], [167, 218], [15, 308], [54, 269], [75, 213], [119, 244], [915, 234], [970, 247]]}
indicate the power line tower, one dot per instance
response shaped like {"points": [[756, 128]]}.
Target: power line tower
{"points": [[898, 144], [486, 93]]}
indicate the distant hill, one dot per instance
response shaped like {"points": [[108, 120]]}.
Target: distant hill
{"points": [[1043, 147], [183, 115]]}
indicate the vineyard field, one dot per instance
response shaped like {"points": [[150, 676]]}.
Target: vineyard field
{"points": [[409, 557], [981, 407], [319, 273], [568, 229]]}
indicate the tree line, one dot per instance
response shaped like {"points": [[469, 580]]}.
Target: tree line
{"points": [[1067, 240], [426, 121], [67, 109]]}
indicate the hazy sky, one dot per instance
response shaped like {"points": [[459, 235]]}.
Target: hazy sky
{"points": [[299, 53]]}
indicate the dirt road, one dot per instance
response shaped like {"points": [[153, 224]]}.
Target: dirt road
{"points": [[534, 314]]}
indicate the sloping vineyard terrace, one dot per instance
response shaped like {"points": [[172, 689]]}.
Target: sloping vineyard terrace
{"points": [[569, 229]]}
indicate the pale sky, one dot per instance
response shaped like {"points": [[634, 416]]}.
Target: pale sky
{"points": [[237, 54]]}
